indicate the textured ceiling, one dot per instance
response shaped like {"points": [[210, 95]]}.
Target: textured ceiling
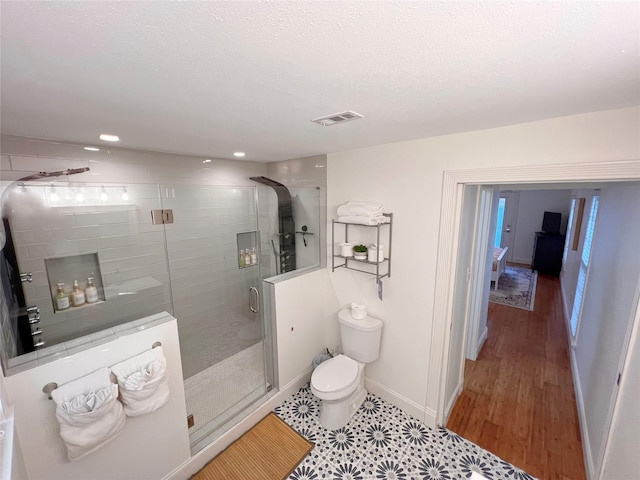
{"points": [[210, 78]]}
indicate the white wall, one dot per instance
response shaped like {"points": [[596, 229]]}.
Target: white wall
{"points": [[531, 208], [622, 460], [306, 322], [461, 294], [610, 302], [407, 178], [150, 446]]}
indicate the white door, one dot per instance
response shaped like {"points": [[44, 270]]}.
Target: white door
{"points": [[507, 213]]}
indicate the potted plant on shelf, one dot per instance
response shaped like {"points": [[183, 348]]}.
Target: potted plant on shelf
{"points": [[360, 252]]}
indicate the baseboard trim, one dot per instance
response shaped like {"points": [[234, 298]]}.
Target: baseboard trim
{"points": [[427, 415], [522, 261], [586, 445], [452, 401], [200, 459], [482, 339]]}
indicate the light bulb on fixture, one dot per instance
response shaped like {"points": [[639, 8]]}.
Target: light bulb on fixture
{"points": [[22, 187], [125, 195], [103, 195], [53, 196], [79, 197]]}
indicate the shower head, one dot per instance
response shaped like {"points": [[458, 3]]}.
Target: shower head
{"points": [[267, 181], [41, 175]]}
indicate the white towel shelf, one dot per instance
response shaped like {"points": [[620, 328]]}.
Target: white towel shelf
{"points": [[382, 268]]}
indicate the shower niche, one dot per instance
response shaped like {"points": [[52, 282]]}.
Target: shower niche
{"points": [[64, 272], [247, 248]]}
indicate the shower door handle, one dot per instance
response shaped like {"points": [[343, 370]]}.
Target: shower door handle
{"points": [[254, 300]]}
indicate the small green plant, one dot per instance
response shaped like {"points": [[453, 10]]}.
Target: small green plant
{"points": [[360, 249]]}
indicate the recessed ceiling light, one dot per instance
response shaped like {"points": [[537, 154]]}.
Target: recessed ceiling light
{"points": [[208, 160], [109, 138], [238, 154], [92, 149]]}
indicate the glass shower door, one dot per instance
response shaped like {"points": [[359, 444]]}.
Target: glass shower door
{"points": [[216, 301]]}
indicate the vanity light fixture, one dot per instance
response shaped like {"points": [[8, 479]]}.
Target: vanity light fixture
{"points": [[103, 195], [125, 195], [92, 149], [238, 154], [109, 138]]}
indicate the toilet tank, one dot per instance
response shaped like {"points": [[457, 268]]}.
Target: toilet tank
{"points": [[360, 338]]}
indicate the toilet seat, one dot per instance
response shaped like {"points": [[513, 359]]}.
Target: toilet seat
{"points": [[335, 378]]}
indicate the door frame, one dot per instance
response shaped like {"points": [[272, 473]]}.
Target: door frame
{"points": [[450, 214]]}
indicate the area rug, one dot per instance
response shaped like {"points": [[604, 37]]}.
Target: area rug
{"points": [[270, 450], [516, 288]]}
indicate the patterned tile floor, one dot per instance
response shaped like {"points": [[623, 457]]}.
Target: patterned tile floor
{"points": [[382, 442]]}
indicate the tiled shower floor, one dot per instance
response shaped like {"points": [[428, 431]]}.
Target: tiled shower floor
{"points": [[383, 442], [215, 394]]}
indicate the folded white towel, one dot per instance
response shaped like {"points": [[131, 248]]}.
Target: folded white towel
{"points": [[361, 220], [89, 413], [362, 209], [143, 381]]}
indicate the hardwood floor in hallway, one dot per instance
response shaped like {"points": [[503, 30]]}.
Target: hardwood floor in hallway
{"points": [[518, 399]]}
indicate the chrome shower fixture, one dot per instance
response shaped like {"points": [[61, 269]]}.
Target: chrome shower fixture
{"points": [[41, 175]]}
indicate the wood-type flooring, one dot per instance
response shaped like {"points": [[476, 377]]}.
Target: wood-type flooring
{"points": [[518, 399]]}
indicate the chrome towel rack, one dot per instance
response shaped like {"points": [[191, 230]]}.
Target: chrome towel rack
{"points": [[50, 387]]}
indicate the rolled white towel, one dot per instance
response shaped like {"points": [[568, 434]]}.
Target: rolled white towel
{"points": [[143, 381], [89, 413], [361, 209], [361, 220]]}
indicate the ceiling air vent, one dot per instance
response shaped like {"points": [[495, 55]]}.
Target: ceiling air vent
{"points": [[337, 118]]}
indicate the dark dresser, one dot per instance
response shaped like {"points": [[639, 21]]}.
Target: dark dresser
{"points": [[547, 253]]}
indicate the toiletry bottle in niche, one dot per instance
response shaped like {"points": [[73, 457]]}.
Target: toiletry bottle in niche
{"points": [[91, 292], [77, 295], [241, 260], [61, 299], [254, 256], [247, 258]]}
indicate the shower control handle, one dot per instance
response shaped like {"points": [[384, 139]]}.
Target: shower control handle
{"points": [[254, 300], [39, 343], [35, 319], [26, 277], [33, 309], [37, 331]]}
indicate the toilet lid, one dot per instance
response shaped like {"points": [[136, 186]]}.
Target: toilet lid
{"points": [[335, 374]]}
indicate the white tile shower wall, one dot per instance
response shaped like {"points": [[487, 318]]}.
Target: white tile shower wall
{"points": [[211, 294], [306, 211], [122, 165], [128, 245]]}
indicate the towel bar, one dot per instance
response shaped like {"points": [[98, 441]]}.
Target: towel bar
{"points": [[50, 387]]}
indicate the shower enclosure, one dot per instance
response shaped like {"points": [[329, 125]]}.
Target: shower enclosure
{"points": [[153, 248]]}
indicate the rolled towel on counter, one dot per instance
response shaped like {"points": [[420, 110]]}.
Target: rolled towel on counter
{"points": [[89, 413], [143, 381], [361, 209], [361, 220]]}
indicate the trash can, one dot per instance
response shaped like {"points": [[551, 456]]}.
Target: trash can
{"points": [[318, 359]]}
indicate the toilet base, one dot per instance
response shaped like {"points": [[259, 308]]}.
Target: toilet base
{"points": [[336, 414]]}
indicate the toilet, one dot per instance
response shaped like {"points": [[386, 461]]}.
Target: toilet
{"points": [[339, 382]]}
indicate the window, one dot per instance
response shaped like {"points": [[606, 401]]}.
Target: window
{"points": [[501, 206], [584, 266], [567, 240]]}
